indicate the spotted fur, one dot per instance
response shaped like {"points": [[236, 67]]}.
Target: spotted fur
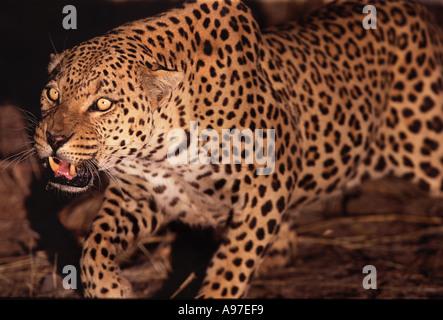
{"points": [[346, 104]]}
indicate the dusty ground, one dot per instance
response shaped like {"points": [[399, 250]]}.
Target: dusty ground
{"points": [[388, 224]]}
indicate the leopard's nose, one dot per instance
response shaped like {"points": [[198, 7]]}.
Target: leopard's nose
{"points": [[56, 141]]}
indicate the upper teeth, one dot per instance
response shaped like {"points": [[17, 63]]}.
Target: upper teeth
{"points": [[54, 166]]}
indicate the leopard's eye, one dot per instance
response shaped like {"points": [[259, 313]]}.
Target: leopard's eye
{"points": [[103, 104], [53, 94]]}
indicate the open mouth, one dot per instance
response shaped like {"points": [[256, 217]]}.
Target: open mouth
{"points": [[64, 174]]}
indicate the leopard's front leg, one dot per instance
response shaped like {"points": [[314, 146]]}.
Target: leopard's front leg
{"points": [[241, 252], [114, 231]]}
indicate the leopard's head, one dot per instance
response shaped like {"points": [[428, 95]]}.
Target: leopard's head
{"points": [[97, 110]]}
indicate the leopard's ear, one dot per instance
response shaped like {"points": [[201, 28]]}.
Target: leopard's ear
{"points": [[159, 84], [54, 62]]}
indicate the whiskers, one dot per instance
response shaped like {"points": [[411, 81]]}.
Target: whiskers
{"points": [[93, 168], [17, 158], [113, 178], [16, 136], [112, 155], [20, 121], [30, 119]]}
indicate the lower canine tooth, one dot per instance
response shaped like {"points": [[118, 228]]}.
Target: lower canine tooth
{"points": [[72, 170], [54, 166]]}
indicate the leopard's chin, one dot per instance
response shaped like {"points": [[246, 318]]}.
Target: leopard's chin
{"points": [[66, 177]]}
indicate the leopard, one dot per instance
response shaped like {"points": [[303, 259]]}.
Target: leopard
{"points": [[329, 102]]}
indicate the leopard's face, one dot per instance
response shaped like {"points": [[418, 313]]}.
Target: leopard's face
{"points": [[89, 123]]}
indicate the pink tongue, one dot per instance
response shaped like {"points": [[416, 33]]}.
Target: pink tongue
{"points": [[64, 170]]}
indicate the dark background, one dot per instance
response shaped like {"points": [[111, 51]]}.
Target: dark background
{"points": [[31, 30]]}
